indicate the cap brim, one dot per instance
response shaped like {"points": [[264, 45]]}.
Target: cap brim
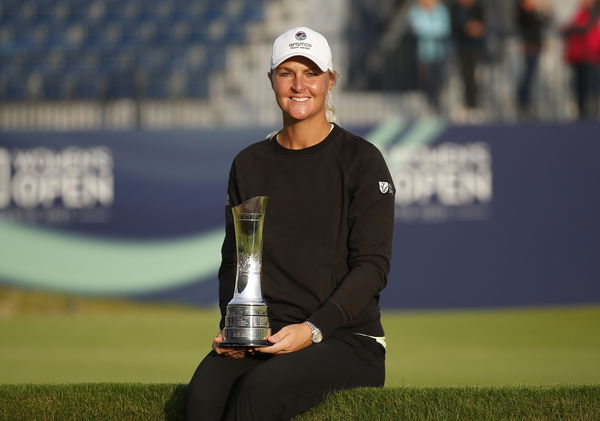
{"points": [[309, 56]]}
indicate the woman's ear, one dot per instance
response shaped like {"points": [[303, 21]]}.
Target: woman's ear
{"points": [[270, 76], [332, 80]]}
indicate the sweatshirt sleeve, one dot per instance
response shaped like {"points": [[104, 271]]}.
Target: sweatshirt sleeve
{"points": [[227, 270], [370, 227]]}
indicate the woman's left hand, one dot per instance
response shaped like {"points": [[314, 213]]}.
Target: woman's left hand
{"points": [[289, 339]]}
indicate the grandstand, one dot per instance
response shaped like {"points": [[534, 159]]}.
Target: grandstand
{"points": [[88, 64], [110, 49]]}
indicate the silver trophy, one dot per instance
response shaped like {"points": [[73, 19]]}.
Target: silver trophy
{"points": [[246, 319]]}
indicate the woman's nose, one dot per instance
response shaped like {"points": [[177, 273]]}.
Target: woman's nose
{"points": [[298, 84]]}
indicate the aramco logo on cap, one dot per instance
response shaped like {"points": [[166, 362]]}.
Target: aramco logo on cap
{"points": [[300, 35]]}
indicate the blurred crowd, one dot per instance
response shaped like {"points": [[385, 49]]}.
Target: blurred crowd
{"points": [[458, 27]]}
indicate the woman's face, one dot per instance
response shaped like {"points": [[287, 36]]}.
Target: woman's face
{"points": [[301, 88], [428, 4]]}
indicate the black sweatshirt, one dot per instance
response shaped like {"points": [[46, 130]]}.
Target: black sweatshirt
{"points": [[327, 235]]}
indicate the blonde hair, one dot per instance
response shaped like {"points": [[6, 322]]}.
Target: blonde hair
{"points": [[330, 112], [329, 108]]}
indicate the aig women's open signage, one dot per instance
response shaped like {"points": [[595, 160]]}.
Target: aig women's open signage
{"points": [[56, 186]]}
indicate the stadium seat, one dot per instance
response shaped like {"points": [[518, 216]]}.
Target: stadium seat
{"points": [[155, 84], [53, 45], [122, 84], [89, 86], [196, 84], [53, 87], [12, 87]]}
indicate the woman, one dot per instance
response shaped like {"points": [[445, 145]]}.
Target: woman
{"points": [[327, 243], [468, 29], [580, 53], [532, 18], [429, 21]]}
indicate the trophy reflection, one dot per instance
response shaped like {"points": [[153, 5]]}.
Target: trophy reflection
{"points": [[246, 319]]}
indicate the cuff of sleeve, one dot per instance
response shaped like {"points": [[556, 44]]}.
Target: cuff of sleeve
{"points": [[328, 318]]}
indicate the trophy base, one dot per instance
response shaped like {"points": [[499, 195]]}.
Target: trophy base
{"points": [[237, 344], [246, 325]]}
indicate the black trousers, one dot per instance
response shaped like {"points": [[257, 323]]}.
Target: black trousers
{"points": [[468, 59], [527, 80], [586, 84], [431, 82], [270, 388]]}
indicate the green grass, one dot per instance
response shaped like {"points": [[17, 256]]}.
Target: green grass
{"points": [[53, 339], [91, 402], [166, 402], [494, 347], [131, 347]]}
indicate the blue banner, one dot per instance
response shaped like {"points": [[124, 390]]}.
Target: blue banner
{"points": [[496, 216], [485, 215]]}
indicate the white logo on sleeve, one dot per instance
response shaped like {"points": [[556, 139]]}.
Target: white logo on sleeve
{"points": [[385, 187]]}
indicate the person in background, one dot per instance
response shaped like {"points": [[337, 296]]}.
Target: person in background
{"points": [[429, 21], [326, 252], [532, 19], [468, 31], [582, 52], [593, 45]]}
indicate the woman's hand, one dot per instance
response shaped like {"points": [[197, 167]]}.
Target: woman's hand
{"points": [[289, 339], [227, 352]]}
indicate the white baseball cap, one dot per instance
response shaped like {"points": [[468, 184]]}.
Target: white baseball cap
{"points": [[302, 41]]}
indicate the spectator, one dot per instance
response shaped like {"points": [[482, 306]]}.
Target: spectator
{"points": [[430, 23], [468, 30], [532, 18], [582, 52]]}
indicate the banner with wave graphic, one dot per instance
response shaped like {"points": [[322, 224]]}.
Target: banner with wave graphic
{"points": [[485, 215]]}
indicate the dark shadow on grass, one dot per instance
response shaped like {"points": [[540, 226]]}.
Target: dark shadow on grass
{"points": [[175, 406]]}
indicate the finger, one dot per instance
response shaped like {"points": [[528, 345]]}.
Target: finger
{"points": [[273, 349], [275, 338], [221, 351], [279, 336], [229, 352], [218, 339], [216, 342], [228, 349], [236, 354], [279, 351], [268, 349]]}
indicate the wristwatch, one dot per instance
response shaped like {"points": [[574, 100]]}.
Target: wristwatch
{"points": [[317, 336]]}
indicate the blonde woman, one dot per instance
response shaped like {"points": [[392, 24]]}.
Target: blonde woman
{"points": [[327, 243]]}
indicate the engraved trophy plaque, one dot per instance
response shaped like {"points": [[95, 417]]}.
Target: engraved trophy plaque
{"points": [[246, 320]]}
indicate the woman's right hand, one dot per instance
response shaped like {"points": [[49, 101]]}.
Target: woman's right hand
{"points": [[227, 352]]}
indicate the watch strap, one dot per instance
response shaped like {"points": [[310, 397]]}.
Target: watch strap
{"points": [[316, 335]]}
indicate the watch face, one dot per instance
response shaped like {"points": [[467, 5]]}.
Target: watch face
{"points": [[316, 336]]}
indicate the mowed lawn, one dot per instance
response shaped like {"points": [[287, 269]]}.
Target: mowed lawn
{"points": [[442, 348]]}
